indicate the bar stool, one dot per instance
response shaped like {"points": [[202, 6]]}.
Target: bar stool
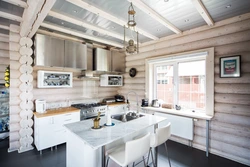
{"points": [[131, 151], [159, 137]]}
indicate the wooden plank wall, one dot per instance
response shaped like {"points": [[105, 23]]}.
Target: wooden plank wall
{"points": [[230, 127]]}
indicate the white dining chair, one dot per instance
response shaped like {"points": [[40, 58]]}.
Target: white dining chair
{"points": [[160, 136], [131, 151]]}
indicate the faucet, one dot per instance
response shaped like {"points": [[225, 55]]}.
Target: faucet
{"points": [[137, 103]]}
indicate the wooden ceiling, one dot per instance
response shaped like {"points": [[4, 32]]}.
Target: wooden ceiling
{"points": [[102, 21]]}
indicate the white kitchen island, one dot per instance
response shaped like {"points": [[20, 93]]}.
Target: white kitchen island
{"points": [[86, 147]]}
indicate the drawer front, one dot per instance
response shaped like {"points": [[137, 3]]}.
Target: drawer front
{"points": [[44, 121], [67, 118]]}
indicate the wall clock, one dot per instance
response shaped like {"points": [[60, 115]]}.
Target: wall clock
{"points": [[132, 72]]}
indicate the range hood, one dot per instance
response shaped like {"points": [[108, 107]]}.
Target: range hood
{"points": [[102, 60]]}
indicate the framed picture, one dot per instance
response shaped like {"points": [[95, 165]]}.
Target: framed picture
{"points": [[230, 66]]}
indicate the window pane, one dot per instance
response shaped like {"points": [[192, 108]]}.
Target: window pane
{"points": [[164, 88], [191, 78]]}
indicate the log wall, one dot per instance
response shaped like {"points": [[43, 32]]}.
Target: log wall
{"points": [[4, 55], [14, 136], [230, 127]]}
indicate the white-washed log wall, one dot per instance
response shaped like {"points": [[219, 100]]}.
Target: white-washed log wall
{"points": [[26, 95], [14, 137], [230, 127], [4, 55]]}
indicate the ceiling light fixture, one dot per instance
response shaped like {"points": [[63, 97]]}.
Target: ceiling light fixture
{"points": [[228, 6], [132, 45]]}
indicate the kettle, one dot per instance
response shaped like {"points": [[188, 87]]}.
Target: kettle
{"points": [[155, 103], [40, 106]]}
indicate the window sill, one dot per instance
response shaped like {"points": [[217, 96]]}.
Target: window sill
{"points": [[184, 113]]}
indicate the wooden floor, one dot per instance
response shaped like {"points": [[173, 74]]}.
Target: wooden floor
{"points": [[180, 156]]}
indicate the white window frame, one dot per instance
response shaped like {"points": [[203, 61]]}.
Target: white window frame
{"points": [[207, 54]]}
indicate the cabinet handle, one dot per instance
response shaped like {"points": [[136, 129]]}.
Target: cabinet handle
{"points": [[67, 114]]}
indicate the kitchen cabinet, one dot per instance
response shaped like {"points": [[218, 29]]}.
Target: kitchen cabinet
{"points": [[48, 127], [117, 108], [49, 51], [118, 61], [75, 55], [56, 52], [53, 79]]}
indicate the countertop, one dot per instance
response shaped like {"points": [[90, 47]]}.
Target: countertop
{"points": [[115, 103], [180, 113], [53, 112], [109, 134]]}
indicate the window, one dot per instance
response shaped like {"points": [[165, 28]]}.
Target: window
{"points": [[186, 80]]}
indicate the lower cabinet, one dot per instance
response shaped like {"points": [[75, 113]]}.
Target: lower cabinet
{"points": [[49, 130], [117, 109]]}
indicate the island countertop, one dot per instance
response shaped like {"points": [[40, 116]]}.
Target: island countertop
{"points": [[108, 134]]}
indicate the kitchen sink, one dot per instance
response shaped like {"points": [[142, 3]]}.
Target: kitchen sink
{"points": [[126, 118]]}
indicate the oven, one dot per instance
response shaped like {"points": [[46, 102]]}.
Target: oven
{"points": [[90, 110]]}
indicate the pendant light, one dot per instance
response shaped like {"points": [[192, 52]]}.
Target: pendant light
{"points": [[132, 46]]}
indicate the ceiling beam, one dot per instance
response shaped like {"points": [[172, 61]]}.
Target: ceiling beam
{"points": [[108, 16], [142, 6], [85, 24], [4, 27], [17, 3], [34, 15], [80, 34], [10, 16], [41, 16], [203, 12]]}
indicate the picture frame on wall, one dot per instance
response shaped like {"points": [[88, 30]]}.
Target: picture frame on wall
{"points": [[230, 66]]}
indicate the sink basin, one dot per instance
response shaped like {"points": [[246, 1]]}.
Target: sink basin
{"points": [[125, 118]]}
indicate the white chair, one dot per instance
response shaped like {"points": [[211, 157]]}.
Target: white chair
{"points": [[160, 136], [131, 151]]}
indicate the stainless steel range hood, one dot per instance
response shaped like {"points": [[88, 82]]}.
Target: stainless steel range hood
{"points": [[102, 60]]}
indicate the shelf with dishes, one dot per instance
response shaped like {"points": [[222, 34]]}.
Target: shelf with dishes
{"points": [[54, 79]]}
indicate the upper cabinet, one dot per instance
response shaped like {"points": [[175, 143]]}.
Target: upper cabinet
{"points": [[55, 52], [118, 61], [75, 55], [49, 51]]}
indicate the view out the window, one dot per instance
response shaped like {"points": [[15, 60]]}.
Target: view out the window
{"points": [[187, 78]]}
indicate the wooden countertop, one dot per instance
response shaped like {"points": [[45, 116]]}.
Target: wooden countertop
{"points": [[57, 112], [115, 103]]}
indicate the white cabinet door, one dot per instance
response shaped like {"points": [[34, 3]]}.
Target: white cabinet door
{"points": [[49, 131], [117, 109]]}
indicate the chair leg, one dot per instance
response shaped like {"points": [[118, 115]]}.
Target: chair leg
{"points": [[148, 154], [107, 162], [145, 165], [153, 161], [167, 154]]}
